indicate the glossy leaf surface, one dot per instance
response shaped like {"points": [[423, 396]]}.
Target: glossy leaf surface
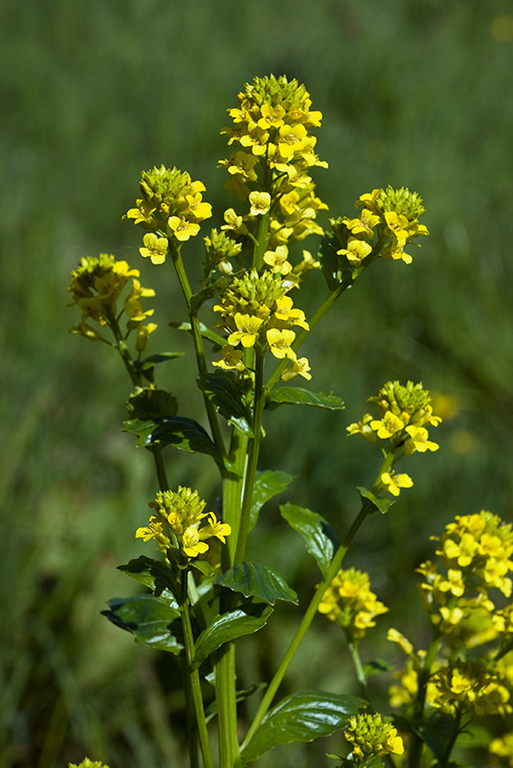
{"points": [[257, 580], [320, 538]]}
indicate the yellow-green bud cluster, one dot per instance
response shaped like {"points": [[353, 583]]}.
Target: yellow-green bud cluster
{"points": [[86, 763], [370, 736], [256, 312], [219, 249], [96, 287], [387, 223], [350, 602], [179, 523], [272, 128], [171, 205]]}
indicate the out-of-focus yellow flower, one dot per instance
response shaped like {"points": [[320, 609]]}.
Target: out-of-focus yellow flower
{"points": [[470, 687], [350, 602], [503, 745]]}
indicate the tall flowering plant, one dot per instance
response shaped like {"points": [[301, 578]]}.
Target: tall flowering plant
{"points": [[203, 592]]}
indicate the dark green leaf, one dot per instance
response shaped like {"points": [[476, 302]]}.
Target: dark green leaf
{"points": [[268, 483], [243, 621], [148, 618], [206, 333], [302, 716], [151, 404], [321, 540], [155, 575], [257, 580], [224, 389], [438, 733], [185, 434], [159, 357], [300, 396], [383, 505]]}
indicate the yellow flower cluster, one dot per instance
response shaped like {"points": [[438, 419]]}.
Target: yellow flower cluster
{"points": [[371, 736], [476, 554], [503, 747], [469, 687], [180, 523], [256, 312], [387, 223], [350, 602], [171, 206], [272, 129], [96, 287]]}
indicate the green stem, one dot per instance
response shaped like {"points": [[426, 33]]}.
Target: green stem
{"points": [[192, 681], [423, 675], [308, 617], [213, 419], [359, 672], [233, 491], [138, 382], [227, 707], [253, 454]]}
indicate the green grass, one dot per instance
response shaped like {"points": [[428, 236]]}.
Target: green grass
{"points": [[415, 94]]}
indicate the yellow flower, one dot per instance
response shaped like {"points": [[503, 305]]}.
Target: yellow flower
{"points": [[247, 330], [404, 644], [291, 139], [388, 425], [419, 440], [357, 250], [298, 367], [279, 343], [154, 248], [349, 601], [260, 203], [277, 260], [143, 332], [182, 229], [395, 482]]}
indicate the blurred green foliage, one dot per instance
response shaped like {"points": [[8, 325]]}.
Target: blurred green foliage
{"points": [[413, 93]]}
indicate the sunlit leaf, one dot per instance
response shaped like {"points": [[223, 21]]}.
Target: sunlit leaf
{"points": [[257, 580], [154, 574], [383, 505], [302, 716], [224, 390], [320, 538], [268, 483], [243, 621], [300, 396], [206, 333]]}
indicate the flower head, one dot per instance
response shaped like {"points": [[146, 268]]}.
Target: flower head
{"points": [[371, 736], [350, 602]]}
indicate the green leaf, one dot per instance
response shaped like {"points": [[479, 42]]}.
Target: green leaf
{"points": [[437, 733], [302, 716], [257, 580], [268, 483], [155, 575], [151, 404], [185, 434], [243, 621], [300, 396], [223, 388], [377, 667], [206, 333], [320, 538], [383, 505], [146, 367], [148, 618]]}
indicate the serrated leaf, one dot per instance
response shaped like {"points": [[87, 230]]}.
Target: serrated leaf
{"points": [[268, 483], [148, 618], [300, 396], [184, 434], [149, 404], [320, 538], [153, 574], [243, 621], [206, 333], [383, 505], [257, 580], [224, 390], [302, 716]]}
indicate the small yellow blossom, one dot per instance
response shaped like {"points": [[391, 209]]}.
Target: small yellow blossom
{"points": [[260, 203], [502, 746], [419, 440], [357, 250], [404, 644], [154, 248], [299, 367], [387, 426], [182, 229], [349, 601], [394, 482], [277, 260], [279, 343], [247, 330]]}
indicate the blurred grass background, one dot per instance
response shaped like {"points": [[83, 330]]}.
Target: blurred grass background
{"points": [[413, 93]]}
